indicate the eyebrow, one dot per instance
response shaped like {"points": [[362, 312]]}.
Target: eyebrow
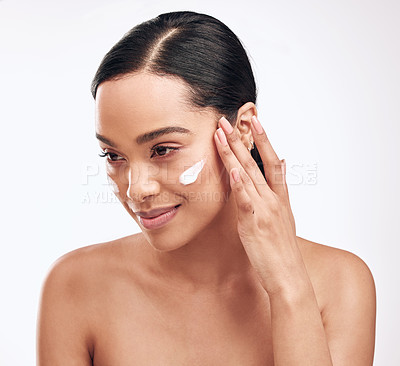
{"points": [[149, 136]]}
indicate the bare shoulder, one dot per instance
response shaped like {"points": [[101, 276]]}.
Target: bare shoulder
{"points": [[333, 265], [74, 287], [78, 269], [345, 289]]}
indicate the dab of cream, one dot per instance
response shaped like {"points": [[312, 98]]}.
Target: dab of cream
{"points": [[190, 175]]}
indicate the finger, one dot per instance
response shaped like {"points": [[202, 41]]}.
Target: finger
{"points": [[229, 159], [242, 155], [272, 164], [243, 201], [287, 200], [248, 183]]}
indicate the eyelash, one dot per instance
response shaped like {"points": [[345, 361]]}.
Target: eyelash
{"points": [[109, 154]]}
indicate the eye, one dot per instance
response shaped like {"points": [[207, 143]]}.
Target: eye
{"points": [[161, 149], [159, 152], [110, 156]]}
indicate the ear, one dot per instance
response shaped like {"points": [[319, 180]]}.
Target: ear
{"points": [[243, 122]]}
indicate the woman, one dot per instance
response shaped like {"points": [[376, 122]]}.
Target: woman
{"points": [[217, 275]]}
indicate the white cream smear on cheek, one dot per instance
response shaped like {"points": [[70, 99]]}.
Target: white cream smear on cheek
{"points": [[190, 175]]}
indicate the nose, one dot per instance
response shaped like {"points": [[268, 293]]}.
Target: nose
{"points": [[141, 183]]}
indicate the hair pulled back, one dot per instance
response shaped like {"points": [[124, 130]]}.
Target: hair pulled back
{"points": [[195, 47]]}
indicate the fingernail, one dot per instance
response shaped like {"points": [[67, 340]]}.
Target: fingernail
{"points": [[222, 137], [235, 175], [257, 125], [283, 166], [226, 125]]}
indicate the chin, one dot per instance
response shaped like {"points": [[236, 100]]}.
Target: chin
{"points": [[163, 246], [165, 241]]}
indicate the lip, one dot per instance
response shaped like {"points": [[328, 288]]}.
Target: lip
{"points": [[155, 212], [166, 215]]}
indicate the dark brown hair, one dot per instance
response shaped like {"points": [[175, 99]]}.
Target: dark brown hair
{"points": [[195, 47]]}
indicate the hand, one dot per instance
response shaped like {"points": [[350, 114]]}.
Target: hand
{"points": [[266, 225]]}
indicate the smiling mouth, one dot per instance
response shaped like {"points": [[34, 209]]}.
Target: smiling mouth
{"points": [[159, 221], [153, 217]]}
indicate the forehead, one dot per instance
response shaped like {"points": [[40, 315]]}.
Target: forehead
{"points": [[143, 96], [139, 103]]}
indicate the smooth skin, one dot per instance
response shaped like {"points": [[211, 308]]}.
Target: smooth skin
{"points": [[196, 292]]}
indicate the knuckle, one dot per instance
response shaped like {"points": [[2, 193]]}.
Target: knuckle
{"points": [[233, 137], [237, 187], [226, 152], [277, 166], [266, 221], [263, 139], [274, 206], [245, 177], [246, 207], [250, 164]]}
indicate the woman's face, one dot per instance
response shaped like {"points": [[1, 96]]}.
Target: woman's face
{"points": [[144, 167]]}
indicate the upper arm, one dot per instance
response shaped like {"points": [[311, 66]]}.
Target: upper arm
{"points": [[350, 314], [62, 330]]}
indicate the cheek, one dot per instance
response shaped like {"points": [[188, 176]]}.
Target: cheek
{"points": [[217, 176], [207, 182], [191, 174], [113, 185]]}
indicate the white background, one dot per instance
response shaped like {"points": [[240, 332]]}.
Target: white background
{"points": [[328, 78]]}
